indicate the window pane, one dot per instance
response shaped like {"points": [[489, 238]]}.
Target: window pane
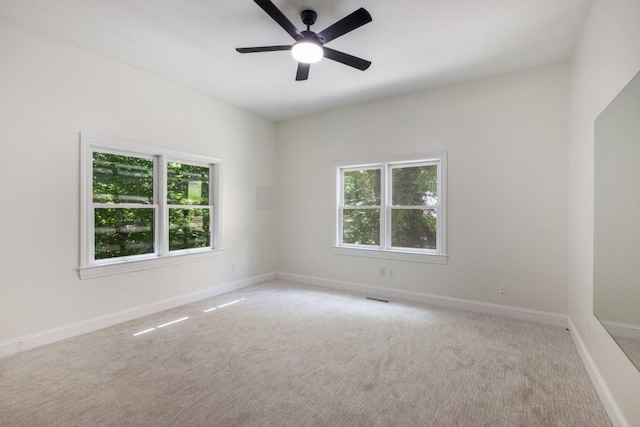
{"points": [[413, 228], [415, 186], [362, 188], [189, 228], [187, 184], [122, 179], [123, 232], [361, 226]]}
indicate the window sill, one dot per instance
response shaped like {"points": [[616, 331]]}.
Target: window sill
{"points": [[427, 258], [110, 269]]}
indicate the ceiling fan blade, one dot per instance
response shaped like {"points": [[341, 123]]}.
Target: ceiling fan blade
{"points": [[273, 11], [346, 59], [262, 49], [303, 71], [346, 24]]}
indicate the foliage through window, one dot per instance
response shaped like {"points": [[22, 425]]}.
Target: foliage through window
{"points": [[394, 206], [144, 202]]}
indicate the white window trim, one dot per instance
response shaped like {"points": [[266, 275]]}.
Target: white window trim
{"points": [[437, 256], [90, 268]]}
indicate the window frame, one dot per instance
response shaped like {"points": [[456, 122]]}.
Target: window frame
{"points": [[89, 266], [384, 250]]}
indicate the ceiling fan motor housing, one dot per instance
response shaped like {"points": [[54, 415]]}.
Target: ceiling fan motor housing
{"points": [[308, 17], [310, 36]]}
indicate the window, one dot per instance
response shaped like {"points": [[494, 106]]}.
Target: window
{"points": [[144, 206], [393, 209]]}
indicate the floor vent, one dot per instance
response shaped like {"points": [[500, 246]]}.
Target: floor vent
{"points": [[377, 299]]}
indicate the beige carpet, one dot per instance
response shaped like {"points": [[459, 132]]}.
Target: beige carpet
{"points": [[291, 355], [630, 347]]}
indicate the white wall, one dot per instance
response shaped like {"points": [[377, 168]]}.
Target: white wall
{"points": [[507, 141], [607, 57], [49, 92]]}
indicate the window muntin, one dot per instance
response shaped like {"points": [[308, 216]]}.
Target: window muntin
{"points": [[142, 203], [392, 206]]}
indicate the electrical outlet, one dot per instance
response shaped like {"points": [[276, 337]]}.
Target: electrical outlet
{"points": [[233, 267], [382, 271], [502, 288], [392, 272]]}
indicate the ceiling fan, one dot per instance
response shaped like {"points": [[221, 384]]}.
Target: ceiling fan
{"points": [[309, 47]]}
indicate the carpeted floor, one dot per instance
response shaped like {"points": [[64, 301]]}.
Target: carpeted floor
{"points": [[285, 354], [631, 348]]}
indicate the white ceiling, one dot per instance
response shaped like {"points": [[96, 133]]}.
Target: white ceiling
{"points": [[413, 44]]}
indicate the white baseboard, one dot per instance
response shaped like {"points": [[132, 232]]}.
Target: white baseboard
{"points": [[483, 307], [613, 410], [56, 334], [8, 348], [625, 330]]}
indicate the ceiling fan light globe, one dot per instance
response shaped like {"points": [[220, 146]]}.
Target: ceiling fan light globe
{"points": [[307, 52]]}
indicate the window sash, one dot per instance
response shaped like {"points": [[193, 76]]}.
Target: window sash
{"points": [[343, 206], [209, 208], [390, 206], [407, 248], [156, 240], [341, 226]]}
